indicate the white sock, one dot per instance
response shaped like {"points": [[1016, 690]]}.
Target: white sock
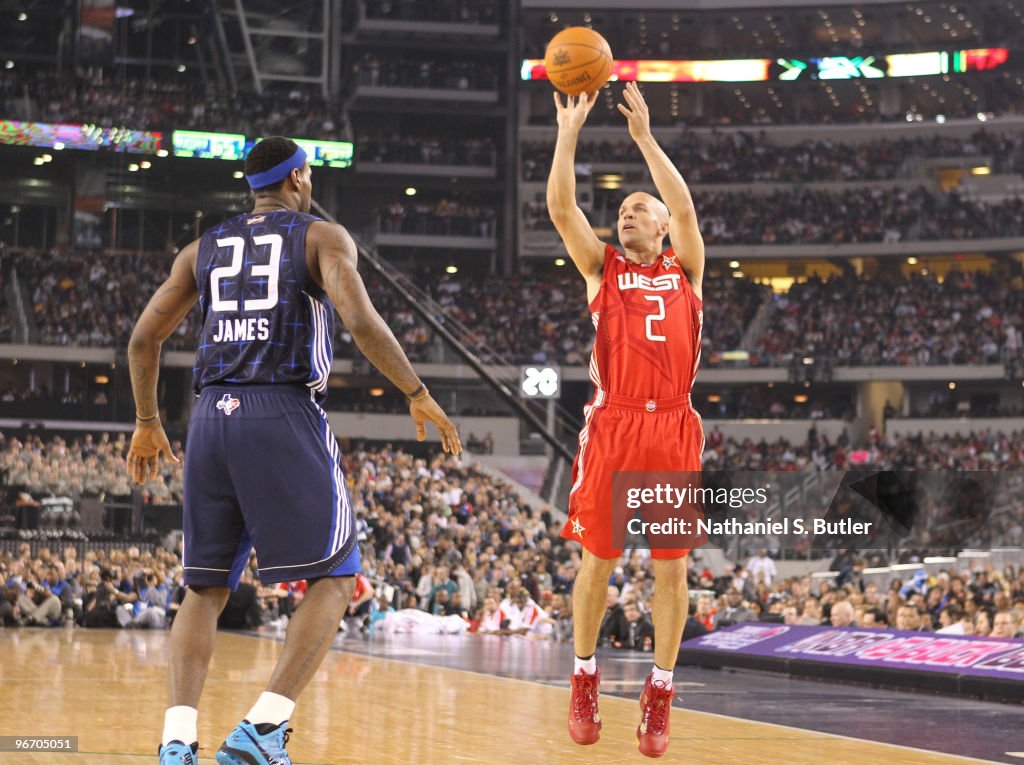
{"points": [[180, 724], [585, 665], [270, 708], [662, 675]]}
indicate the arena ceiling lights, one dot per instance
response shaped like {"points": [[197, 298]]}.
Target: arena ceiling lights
{"points": [[823, 68]]}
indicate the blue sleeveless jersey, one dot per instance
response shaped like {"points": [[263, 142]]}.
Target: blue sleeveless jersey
{"points": [[264, 319]]}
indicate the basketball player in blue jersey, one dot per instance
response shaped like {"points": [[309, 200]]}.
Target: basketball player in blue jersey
{"points": [[263, 468]]}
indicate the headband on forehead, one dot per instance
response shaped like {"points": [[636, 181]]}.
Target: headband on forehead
{"points": [[278, 172]]}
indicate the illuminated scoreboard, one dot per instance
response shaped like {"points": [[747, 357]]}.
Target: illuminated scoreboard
{"points": [[81, 137], [326, 153], [895, 65], [789, 69], [192, 143]]}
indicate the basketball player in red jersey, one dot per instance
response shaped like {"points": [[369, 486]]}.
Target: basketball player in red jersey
{"points": [[646, 307]]}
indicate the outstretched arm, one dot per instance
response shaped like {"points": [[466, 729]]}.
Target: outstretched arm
{"points": [[683, 229], [162, 315], [585, 249], [335, 258]]}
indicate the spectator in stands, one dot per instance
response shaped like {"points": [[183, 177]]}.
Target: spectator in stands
{"points": [[952, 621], [612, 614], [706, 613], [908, 618], [842, 614], [493, 621], [982, 622], [735, 610], [242, 611], [10, 612], [1006, 624], [762, 565], [633, 630], [359, 609], [526, 618], [39, 607], [149, 605]]}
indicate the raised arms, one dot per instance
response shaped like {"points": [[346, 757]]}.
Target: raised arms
{"points": [[333, 264], [683, 229], [585, 249]]}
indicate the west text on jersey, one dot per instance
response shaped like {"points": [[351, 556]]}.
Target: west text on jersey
{"points": [[663, 283]]}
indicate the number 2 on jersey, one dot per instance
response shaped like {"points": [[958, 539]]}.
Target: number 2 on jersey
{"points": [[653, 317], [270, 270]]}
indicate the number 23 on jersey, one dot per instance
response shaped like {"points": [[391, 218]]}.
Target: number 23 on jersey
{"points": [[270, 271]]}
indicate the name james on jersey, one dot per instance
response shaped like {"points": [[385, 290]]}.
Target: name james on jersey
{"points": [[235, 330]]}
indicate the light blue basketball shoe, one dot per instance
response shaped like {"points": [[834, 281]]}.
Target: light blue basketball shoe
{"points": [[179, 753], [248, 746]]}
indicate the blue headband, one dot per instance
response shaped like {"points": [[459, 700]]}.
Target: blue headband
{"points": [[279, 172]]}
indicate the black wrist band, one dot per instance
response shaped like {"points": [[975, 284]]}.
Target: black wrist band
{"points": [[421, 389]]}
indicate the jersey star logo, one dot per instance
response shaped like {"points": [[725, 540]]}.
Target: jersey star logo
{"points": [[669, 262], [577, 527]]}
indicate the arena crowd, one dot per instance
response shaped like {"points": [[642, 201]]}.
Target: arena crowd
{"points": [[742, 157], [443, 538], [85, 299]]}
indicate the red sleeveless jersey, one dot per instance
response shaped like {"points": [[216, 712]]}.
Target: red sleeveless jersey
{"points": [[648, 324]]}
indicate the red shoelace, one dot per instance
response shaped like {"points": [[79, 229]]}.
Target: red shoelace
{"points": [[584, 698], [659, 702]]}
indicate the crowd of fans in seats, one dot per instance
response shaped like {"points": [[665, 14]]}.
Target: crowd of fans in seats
{"points": [[808, 216], [461, 11], [965, 318], [79, 298], [426, 150], [805, 216], [985, 600], [378, 72], [999, 455], [763, 402], [921, 451], [79, 401], [442, 537], [444, 217], [704, 31], [743, 157], [85, 466], [164, 105]]}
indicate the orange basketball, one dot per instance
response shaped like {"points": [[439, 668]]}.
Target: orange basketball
{"points": [[578, 60]]}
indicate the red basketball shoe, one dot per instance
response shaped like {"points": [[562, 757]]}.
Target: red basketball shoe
{"points": [[584, 717], [655, 705]]}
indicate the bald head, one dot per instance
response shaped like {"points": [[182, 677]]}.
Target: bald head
{"points": [[643, 223], [657, 206]]}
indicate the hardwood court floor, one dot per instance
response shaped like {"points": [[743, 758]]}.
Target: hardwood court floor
{"points": [[108, 688]]}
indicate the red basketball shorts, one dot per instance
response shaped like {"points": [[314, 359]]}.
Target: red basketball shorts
{"points": [[623, 434]]}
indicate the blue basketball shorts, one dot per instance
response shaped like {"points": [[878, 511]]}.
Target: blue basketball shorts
{"points": [[263, 470]]}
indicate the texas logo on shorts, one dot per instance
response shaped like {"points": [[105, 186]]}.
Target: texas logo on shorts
{"points": [[228, 404]]}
